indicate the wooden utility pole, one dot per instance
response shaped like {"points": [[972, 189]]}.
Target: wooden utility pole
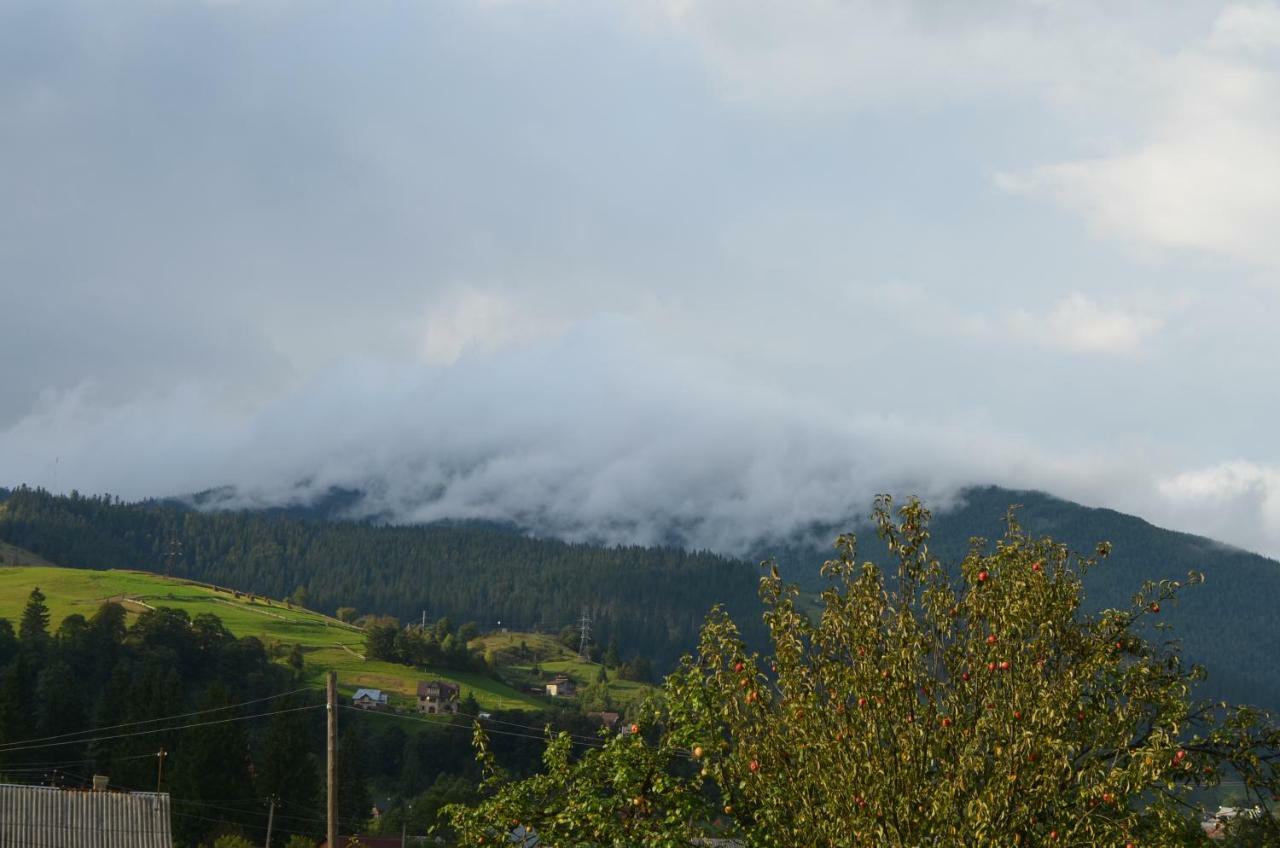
{"points": [[160, 755], [332, 746], [271, 819]]}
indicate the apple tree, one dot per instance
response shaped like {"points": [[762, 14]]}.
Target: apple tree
{"points": [[916, 705]]}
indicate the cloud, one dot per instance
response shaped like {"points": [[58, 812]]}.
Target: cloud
{"points": [[1200, 168], [1229, 496], [471, 321], [1079, 325], [601, 433], [726, 267]]}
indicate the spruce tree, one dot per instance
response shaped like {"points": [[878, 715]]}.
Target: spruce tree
{"points": [[33, 631]]}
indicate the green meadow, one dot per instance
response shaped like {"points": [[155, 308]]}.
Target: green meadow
{"points": [[327, 644]]}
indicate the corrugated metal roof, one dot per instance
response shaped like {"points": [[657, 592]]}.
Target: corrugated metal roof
{"points": [[73, 818]]}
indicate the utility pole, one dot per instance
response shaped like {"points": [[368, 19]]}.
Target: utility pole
{"points": [[160, 755], [585, 643], [332, 746], [271, 819]]}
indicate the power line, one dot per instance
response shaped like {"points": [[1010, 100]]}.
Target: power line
{"points": [[541, 738], [165, 729], [8, 746]]}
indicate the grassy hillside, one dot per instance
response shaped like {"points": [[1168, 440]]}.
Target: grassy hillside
{"points": [[650, 600], [327, 643], [528, 659]]}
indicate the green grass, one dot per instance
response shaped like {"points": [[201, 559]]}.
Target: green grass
{"points": [[552, 658], [327, 643]]}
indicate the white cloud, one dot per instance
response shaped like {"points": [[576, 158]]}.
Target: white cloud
{"points": [[1079, 325], [1200, 169], [1239, 497], [480, 321], [600, 434], [1254, 26]]}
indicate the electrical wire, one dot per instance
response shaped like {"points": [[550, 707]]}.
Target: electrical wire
{"points": [[11, 745], [161, 729]]}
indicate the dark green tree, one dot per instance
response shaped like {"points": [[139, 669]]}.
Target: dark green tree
{"points": [[354, 801], [288, 769], [33, 631], [212, 787]]}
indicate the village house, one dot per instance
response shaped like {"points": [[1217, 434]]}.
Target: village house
{"points": [[436, 697], [369, 699], [560, 687]]}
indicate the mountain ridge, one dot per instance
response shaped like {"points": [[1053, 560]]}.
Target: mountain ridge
{"points": [[655, 596]]}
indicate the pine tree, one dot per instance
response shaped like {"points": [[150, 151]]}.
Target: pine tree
{"points": [[288, 770], [33, 631], [354, 802], [211, 764]]}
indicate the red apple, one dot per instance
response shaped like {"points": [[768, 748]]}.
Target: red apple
{"points": [[635, 728], [982, 576], [1004, 665], [991, 640], [739, 666], [754, 765]]}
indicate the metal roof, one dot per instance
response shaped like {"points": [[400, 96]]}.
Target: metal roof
{"points": [[77, 818]]}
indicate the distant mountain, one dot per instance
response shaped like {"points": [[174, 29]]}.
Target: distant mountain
{"points": [[652, 599]]}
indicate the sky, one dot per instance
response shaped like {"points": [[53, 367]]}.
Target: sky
{"points": [[712, 270]]}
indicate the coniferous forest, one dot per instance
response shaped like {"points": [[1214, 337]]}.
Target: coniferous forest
{"points": [[98, 695], [653, 599]]}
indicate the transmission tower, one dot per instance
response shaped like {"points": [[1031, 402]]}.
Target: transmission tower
{"points": [[584, 627], [174, 554]]}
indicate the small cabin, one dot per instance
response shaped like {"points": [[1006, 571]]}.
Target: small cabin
{"points": [[369, 699]]}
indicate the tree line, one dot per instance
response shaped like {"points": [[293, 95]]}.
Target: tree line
{"points": [[653, 598]]}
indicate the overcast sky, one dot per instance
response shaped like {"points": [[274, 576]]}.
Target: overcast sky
{"points": [[611, 268]]}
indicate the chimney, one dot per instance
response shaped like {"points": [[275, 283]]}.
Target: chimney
{"points": [[100, 782]]}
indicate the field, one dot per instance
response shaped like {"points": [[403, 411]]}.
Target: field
{"points": [[517, 654], [327, 643]]}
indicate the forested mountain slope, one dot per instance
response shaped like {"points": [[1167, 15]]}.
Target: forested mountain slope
{"points": [[653, 600]]}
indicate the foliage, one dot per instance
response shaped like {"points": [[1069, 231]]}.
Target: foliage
{"points": [[441, 645], [921, 707]]}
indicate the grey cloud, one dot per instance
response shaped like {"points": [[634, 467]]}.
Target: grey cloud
{"points": [[232, 236]]}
